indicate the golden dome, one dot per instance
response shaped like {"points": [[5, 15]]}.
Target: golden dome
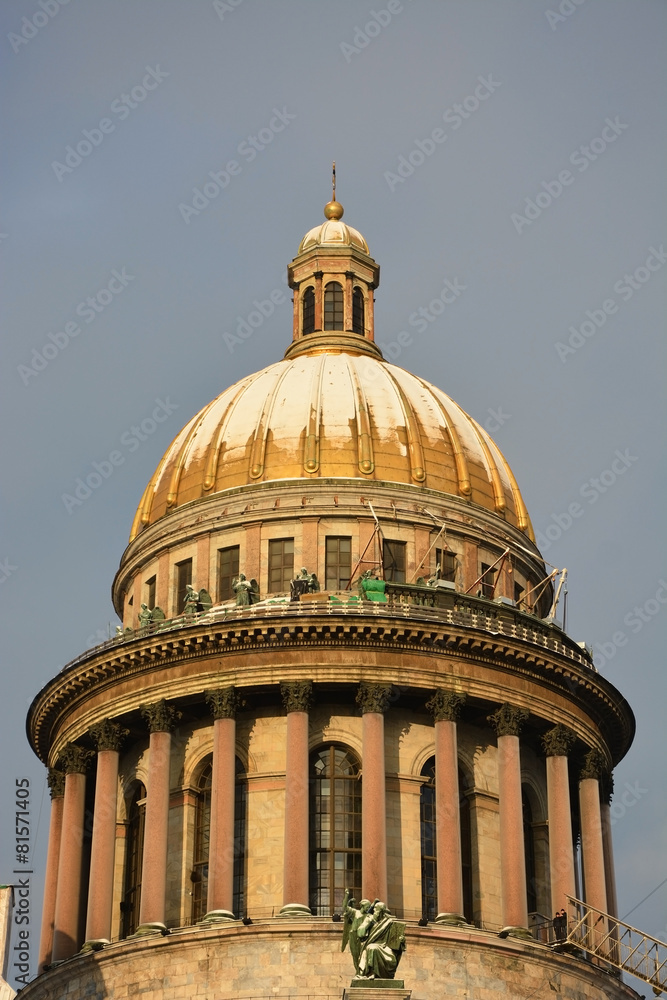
{"points": [[333, 415], [333, 232]]}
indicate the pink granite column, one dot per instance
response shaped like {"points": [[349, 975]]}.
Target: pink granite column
{"points": [[557, 744], [319, 302], [109, 736], [373, 700], [73, 761], [56, 780], [296, 699], [220, 898], [507, 722], [160, 719], [592, 850], [446, 707]]}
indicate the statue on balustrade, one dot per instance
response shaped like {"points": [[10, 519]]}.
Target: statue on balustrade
{"points": [[304, 583], [195, 601], [247, 591], [376, 938], [372, 588]]}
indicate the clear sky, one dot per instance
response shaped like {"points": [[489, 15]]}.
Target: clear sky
{"points": [[503, 145]]}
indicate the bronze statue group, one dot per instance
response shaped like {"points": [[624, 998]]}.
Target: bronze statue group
{"points": [[376, 938]]}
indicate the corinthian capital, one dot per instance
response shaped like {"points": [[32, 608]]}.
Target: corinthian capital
{"points": [[508, 720], [594, 766], [297, 696], [160, 717], [56, 781], [75, 759], [108, 735], [223, 702], [446, 705], [558, 741], [374, 698]]}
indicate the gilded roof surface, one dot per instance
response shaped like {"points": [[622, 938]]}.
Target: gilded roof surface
{"points": [[325, 415]]}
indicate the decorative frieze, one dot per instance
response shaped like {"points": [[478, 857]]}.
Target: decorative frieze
{"points": [[374, 698], [297, 696], [508, 720], [594, 766], [160, 717], [75, 759], [108, 735], [55, 779], [558, 742], [223, 702], [446, 705]]}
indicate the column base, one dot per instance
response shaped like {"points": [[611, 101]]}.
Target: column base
{"points": [[452, 919], [217, 917], [516, 932], [95, 944], [145, 930], [294, 910]]}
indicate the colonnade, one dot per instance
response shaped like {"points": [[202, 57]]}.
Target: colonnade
{"points": [[63, 897]]}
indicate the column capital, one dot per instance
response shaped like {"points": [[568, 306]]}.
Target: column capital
{"points": [[594, 766], [446, 705], [55, 779], [558, 742], [297, 696], [607, 787], [223, 702], [160, 717], [108, 735], [374, 698], [74, 759], [508, 720]]}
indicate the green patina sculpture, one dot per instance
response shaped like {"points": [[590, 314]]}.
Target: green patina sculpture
{"points": [[247, 591], [376, 938], [371, 588]]}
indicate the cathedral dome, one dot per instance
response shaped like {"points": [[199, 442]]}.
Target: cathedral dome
{"points": [[333, 414]]}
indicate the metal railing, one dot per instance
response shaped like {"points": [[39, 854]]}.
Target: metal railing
{"points": [[405, 601], [610, 940]]}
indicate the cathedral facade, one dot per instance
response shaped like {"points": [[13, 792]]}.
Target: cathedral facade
{"points": [[339, 674]]}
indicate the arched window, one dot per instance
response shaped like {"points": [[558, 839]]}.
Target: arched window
{"points": [[199, 876], [134, 853], [358, 312], [335, 828], [529, 849], [428, 844], [240, 837], [333, 306], [427, 824], [308, 315]]}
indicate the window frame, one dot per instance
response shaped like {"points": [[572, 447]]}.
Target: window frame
{"points": [[334, 306]]}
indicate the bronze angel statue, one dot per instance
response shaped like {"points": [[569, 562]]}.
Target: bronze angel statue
{"points": [[376, 938]]}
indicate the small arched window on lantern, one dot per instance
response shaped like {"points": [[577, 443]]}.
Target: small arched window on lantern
{"points": [[333, 306], [308, 314], [358, 318]]}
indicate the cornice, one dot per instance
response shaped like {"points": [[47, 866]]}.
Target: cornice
{"points": [[556, 668]]}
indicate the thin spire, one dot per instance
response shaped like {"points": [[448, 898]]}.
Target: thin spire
{"points": [[333, 181]]}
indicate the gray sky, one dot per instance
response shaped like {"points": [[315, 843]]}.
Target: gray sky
{"points": [[565, 110]]}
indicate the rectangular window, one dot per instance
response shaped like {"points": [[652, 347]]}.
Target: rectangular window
{"points": [[393, 558], [446, 560], [228, 570], [338, 563], [281, 565], [487, 584], [150, 592], [183, 578], [518, 594]]}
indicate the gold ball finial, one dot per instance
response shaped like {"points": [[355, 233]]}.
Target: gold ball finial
{"points": [[333, 210]]}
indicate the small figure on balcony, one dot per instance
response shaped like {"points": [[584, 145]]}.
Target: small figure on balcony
{"points": [[191, 605], [145, 617], [247, 591], [560, 925]]}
